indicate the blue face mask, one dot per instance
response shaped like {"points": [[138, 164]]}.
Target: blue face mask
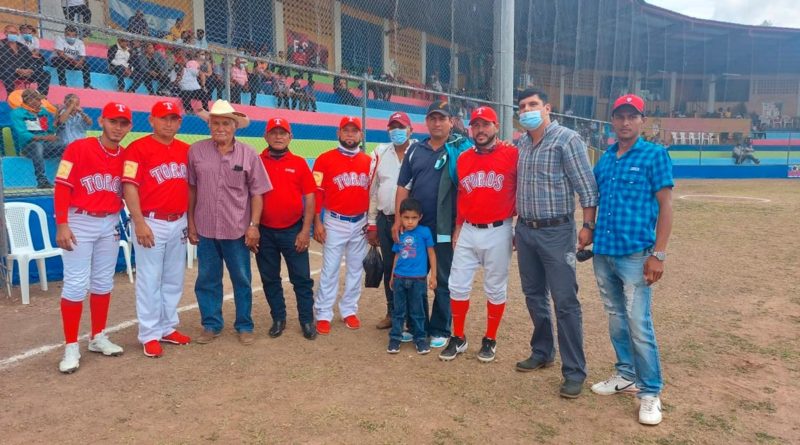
{"points": [[71, 40], [13, 37], [28, 37], [531, 120], [399, 136]]}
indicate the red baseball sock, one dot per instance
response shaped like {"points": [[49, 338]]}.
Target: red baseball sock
{"points": [[494, 313], [98, 303], [459, 310], [71, 319]]}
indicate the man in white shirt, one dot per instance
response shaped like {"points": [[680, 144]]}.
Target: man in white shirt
{"points": [[387, 159], [119, 56], [70, 55], [77, 11], [200, 39]]}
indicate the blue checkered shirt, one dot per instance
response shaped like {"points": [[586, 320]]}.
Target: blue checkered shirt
{"points": [[549, 174], [628, 211]]}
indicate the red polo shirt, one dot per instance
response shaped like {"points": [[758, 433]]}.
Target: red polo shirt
{"points": [[292, 179]]}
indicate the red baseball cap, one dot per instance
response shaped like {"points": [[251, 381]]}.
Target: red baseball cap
{"points": [[348, 120], [629, 99], [400, 118], [114, 110], [483, 113], [278, 122], [165, 108]]}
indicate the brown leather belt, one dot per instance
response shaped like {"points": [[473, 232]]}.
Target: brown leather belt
{"points": [[549, 222]]}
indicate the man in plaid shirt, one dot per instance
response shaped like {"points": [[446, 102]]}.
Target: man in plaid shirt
{"points": [[633, 226], [553, 165]]}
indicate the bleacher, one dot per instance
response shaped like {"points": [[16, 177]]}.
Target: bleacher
{"points": [[313, 132]]}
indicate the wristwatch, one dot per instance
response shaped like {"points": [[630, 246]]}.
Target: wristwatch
{"points": [[660, 256], [589, 225]]}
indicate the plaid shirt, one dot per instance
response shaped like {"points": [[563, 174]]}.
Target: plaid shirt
{"points": [[549, 174], [628, 212]]}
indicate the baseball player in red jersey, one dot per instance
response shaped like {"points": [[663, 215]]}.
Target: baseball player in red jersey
{"points": [[87, 204], [487, 184], [285, 226], [156, 190], [343, 177]]}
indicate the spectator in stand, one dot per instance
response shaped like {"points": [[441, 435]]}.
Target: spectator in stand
{"points": [[200, 39], [187, 38], [138, 24], [282, 69], [18, 63], [71, 122], [176, 30], [280, 90], [34, 133], [239, 80], [728, 113], [342, 92], [79, 9], [435, 85], [295, 91], [188, 78], [119, 56], [149, 66], [308, 97], [259, 80], [70, 54], [215, 83], [206, 64], [743, 152], [29, 39]]}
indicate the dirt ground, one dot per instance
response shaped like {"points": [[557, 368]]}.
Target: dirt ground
{"points": [[727, 316]]}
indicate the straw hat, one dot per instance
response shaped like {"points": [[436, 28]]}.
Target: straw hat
{"points": [[224, 109]]}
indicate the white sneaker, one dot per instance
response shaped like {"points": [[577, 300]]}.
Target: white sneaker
{"points": [[71, 360], [614, 385], [650, 410], [439, 342], [101, 343]]}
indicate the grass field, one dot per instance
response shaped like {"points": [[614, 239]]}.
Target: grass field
{"points": [[727, 316]]}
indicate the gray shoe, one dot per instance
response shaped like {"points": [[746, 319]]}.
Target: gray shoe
{"points": [[570, 389], [532, 364], [454, 347]]}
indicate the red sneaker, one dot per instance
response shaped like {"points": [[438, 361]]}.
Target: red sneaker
{"points": [[352, 322], [176, 338], [324, 327], [153, 349]]}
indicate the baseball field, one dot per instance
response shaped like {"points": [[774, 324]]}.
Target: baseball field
{"points": [[727, 317]]}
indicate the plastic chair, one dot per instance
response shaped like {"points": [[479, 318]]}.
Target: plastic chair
{"points": [[124, 242], [682, 138], [692, 138], [713, 138], [21, 244]]}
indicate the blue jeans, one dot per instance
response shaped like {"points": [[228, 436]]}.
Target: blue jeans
{"points": [[210, 255], [409, 297], [273, 244], [626, 297], [438, 323]]}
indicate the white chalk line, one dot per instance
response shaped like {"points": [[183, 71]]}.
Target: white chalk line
{"points": [[742, 198], [16, 359]]}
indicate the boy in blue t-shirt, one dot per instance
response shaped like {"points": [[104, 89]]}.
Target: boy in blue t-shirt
{"points": [[409, 273]]}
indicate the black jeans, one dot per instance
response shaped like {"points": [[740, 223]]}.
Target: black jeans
{"points": [[119, 71], [62, 64], [438, 323], [384, 223], [40, 76], [187, 96], [81, 10], [273, 244]]}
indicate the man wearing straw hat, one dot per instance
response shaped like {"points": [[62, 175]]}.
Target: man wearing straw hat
{"points": [[226, 184]]}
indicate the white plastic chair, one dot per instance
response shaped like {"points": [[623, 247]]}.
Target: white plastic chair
{"points": [[682, 138], [692, 138], [124, 241], [21, 247], [713, 138]]}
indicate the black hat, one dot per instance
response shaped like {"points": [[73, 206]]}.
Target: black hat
{"points": [[440, 106]]}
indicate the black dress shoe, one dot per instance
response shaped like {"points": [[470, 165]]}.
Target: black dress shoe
{"points": [[277, 328], [532, 364], [309, 331]]}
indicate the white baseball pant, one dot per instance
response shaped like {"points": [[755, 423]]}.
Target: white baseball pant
{"points": [[490, 248], [91, 263], [160, 271], [348, 239]]}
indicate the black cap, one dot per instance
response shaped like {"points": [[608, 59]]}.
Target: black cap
{"points": [[440, 106]]}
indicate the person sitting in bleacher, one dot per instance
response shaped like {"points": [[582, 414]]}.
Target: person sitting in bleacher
{"points": [[200, 39], [187, 38], [260, 80], [149, 66], [744, 152], [307, 97], [295, 91], [119, 62], [280, 90], [138, 24], [240, 80], [34, 132], [342, 92], [71, 122], [176, 30], [29, 39], [70, 54], [188, 78], [17, 63]]}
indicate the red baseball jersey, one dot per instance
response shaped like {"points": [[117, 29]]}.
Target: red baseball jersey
{"points": [[343, 182], [160, 172], [487, 184], [292, 180], [93, 173]]}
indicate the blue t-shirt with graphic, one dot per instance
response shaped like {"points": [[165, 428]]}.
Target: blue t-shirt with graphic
{"points": [[412, 252]]}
